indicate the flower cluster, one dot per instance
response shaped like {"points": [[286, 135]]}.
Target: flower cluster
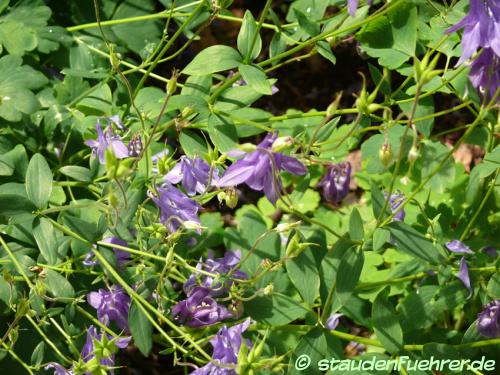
{"points": [[259, 169], [226, 344], [482, 30], [112, 305], [200, 308]]}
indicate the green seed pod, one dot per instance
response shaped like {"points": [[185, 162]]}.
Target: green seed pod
{"points": [[385, 154]]}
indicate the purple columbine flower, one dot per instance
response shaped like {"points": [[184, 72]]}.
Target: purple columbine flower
{"points": [[135, 146], [336, 181], [121, 256], [333, 321], [199, 309], [107, 140], [488, 320], [226, 344], [395, 201], [481, 28], [259, 169], [88, 349], [112, 304], [491, 251], [352, 6], [175, 207], [58, 369], [194, 174], [218, 266], [485, 73], [463, 275], [457, 246]]}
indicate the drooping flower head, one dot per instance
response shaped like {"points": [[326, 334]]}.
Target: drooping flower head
{"points": [[121, 256], [488, 320], [107, 139], [58, 369], [485, 73], [175, 207], [226, 344], [335, 182], [259, 169], [463, 275], [220, 267], [199, 309], [459, 247], [481, 28], [352, 6], [333, 321], [194, 174], [88, 350], [111, 304], [395, 201]]}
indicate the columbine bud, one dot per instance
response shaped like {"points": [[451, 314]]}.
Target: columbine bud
{"points": [[413, 154], [268, 290], [113, 200], [172, 83], [285, 227], [385, 154], [282, 143], [248, 147], [231, 198]]}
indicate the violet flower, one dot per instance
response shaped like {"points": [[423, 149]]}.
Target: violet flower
{"points": [[112, 304], [259, 169], [333, 321], [336, 181], [491, 251], [107, 140], [488, 320], [175, 207], [199, 309], [194, 174], [58, 369], [121, 256], [463, 275], [218, 266], [485, 73], [226, 344], [352, 6], [457, 246], [89, 349], [481, 28], [395, 201], [135, 146]]}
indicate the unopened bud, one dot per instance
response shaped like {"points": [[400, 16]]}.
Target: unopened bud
{"points": [[268, 290], [248, 147], [413, 154], [285, 227], [172, 84], [385, 154], [191, 224]]}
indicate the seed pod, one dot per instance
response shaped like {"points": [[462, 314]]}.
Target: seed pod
{"points": [[385, 154]]}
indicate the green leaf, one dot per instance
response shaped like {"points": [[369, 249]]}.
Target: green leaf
{"points": [[356, 231], [213, 59], [141, 329], [310, 27], [386, 323], [494, 286], [222, 133], [38, 353], [256, 78], [97, 103], [77, 173], [246, 36], [276, 310], [404, 23], [192, 144], [316, 345], [432, 155], [38, 181], [378, 201], [16, 83], [58, 286], [46, 239], [278, 45], [413, 242], [303, 272], [417, 309], [325, 50], [6, 167], [380, 237], [348, 274]]}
